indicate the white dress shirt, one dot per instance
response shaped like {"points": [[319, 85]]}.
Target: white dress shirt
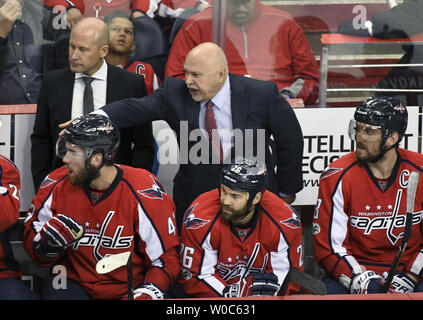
{"points": [[99, 86]]}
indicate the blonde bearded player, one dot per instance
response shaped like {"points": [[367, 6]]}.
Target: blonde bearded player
{"points": [[359, 219], [91, 208]]}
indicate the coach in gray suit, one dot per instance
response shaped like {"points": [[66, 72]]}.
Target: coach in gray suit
{"points": [[62, 96], [239, 103]]}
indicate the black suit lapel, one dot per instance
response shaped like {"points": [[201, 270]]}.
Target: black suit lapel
{"points": [[239, 103], [112, 93], [66, 93]]}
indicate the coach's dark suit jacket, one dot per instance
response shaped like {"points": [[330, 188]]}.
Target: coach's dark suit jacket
{"points": [[255, 105], [55, 105]]}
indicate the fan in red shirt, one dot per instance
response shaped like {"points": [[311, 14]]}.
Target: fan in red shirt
{"points": [[91, 208], [240, 240], [359, 218], [261, 42]]}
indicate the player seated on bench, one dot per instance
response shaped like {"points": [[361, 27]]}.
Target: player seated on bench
{"points": [[359, 220], [240, 239], [91, 208]]}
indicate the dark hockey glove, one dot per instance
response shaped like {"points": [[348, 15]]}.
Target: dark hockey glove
{"points": [[402, 283], [256, 284], [264, 284], [56, 235]]}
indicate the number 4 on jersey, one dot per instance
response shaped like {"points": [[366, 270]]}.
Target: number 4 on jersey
{"points": [[171, 226]]}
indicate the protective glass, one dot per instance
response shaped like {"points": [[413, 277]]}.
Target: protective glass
{"points": [[73, 151], [366, 131]]}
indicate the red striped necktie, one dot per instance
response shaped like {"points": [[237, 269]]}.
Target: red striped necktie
{"points": [[210, 125]]}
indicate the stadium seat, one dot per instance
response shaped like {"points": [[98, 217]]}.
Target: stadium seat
{"points": [[151, 44]]}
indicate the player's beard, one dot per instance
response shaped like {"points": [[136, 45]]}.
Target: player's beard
{"points": [[235, 214], [88, 174], [372, 157]]}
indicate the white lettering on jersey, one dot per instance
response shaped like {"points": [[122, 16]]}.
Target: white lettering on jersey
{"points": [[98, 240], [384, 220], [402, 182], [229, 271], [15, 193]]}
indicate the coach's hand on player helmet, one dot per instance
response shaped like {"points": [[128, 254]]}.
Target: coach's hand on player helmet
{"points": [[56, 235], [366, 282], [148, 291], [401, 283]]}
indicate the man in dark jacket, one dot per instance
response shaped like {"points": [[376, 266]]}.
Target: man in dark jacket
{"points": [[63, 96]]}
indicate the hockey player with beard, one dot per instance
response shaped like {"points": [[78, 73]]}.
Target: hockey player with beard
{"points": [[91, 208], [240, 240], [359, 217]]}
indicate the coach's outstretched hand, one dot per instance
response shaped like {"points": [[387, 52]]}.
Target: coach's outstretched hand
{"points": [[63, 126]]}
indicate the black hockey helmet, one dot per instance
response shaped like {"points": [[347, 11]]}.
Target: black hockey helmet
{"points": [[94, 133], [245, 175], [387, 113]]}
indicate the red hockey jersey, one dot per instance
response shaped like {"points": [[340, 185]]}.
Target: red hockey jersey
{"points": [[357, 223], [271, 46], [151, 80], [214, 253], [135, 214], [10, 187]]}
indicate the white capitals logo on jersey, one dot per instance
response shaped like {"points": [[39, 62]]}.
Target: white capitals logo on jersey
{"points": [[239, 267], [380, 220], [98, 239]]}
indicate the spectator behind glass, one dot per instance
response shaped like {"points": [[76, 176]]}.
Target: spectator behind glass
{"points": [[28, 48], [78, 9], [122, 44], [401, 21], [261, 41]]}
